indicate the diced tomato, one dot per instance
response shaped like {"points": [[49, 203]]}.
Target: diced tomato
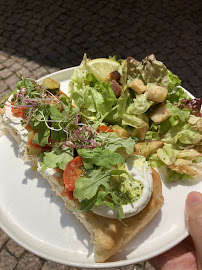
{"points": [[61, 93], [67, 193], [34, 145], [19, 112], [105, 128], [72, 172], [28, 127]]}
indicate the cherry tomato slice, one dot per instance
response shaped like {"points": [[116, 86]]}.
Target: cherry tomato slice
{"points": [[72, 172]]}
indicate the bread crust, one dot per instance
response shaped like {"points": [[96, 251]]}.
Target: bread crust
{"points": [[107, 235], [110, 235]]}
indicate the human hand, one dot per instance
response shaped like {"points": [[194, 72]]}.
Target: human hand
{"points": [[187, 255]]}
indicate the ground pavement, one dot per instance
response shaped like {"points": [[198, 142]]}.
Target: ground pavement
{"points": [[40, 37]]}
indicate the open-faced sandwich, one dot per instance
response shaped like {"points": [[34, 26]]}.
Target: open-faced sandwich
{"points": [[96, 143]]}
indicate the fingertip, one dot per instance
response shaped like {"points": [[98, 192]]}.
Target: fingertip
{"points": [[193, 198]]}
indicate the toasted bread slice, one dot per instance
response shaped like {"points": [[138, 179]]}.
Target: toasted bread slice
{"points": [[107, 235]]}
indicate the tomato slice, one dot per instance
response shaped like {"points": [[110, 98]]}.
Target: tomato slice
{"points": [[105, 128], [72, 172]]}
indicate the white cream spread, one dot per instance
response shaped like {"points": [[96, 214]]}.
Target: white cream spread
{"points": [[14, 127], [48, 171], [140, 170]]}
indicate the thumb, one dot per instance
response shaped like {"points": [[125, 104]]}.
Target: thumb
{"points": [[193, 212]]}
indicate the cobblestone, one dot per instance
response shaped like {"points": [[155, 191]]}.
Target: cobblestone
{"points": [[7, 261], [15, 67], [46, 36], [53, 266], [15, 249], [3, 57], [29, 261], [3, 87], [5, 73], [3, 238], [11, 81]]}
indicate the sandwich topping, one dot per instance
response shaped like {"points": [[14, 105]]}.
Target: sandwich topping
{"points": [[101, 138], [134, 187]]}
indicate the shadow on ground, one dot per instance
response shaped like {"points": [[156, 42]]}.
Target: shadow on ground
{"points": [[57, 33]]}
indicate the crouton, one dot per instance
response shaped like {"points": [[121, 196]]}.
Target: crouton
{"points": [[115, 75], [147, 148], [138, 86], [121, 132], [160, 113], [156, 93], [140, 132], [116, 88], [51, 85]]}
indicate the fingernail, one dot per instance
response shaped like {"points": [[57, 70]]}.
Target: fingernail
{"points": [[193, 198]]}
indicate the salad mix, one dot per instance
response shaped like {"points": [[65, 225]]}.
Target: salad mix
{"points": [[115, 109]]}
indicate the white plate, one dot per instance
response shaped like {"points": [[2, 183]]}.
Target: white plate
{"points": [[36, 219]]}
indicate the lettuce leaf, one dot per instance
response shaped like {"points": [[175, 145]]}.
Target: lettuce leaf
{"points": [[149, 71], [173, 81], [115, 142], [152, 136], [140, 105], [178, 119], [173, 176], [167, 154], [91, 94], [155, 161], [133, 121], [123, 102], [188, 137], [175, 92]]}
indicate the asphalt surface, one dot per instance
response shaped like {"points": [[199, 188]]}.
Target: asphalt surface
{"points": [[40, 37]]}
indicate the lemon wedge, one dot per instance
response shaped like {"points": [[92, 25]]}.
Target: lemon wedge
{"points": [[102, 67]]}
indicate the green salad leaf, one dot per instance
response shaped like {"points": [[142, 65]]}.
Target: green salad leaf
{"points": [[58, 157], [188, 137], [140, 105], [173, 176], [87, 187], [114, 142], [100, 157]]}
